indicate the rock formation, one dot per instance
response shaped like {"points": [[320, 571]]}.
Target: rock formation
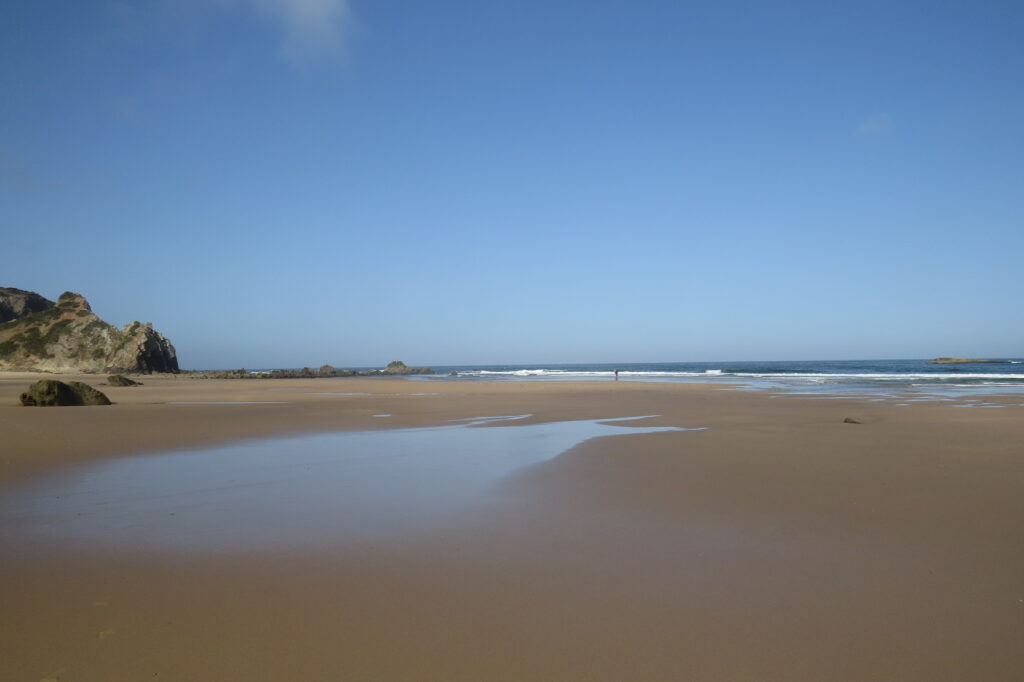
{"points": [[15, 303], [400, 368], [122, 380], [67, 336], [959, 361], [52, 393]]}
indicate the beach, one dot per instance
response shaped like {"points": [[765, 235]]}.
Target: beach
{"points": [[774, 541]]}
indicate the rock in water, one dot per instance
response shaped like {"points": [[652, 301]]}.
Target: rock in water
{"points": [[400, 368], [396, 367], [68, 336], [961, 361], [53, 393]]}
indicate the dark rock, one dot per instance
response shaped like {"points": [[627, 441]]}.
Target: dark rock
{"points": [[88, 394], [851, 420], [122, 380], [960, 361], [398, 367], [53, 393], [156, 354], [17, 303]]}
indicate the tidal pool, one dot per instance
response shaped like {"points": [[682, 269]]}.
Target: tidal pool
{"points": [[314, 490]]}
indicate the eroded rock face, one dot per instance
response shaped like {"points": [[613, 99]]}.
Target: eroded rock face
{"points": [[143, 349], [53, 393], [16, 303], [67, 336]]}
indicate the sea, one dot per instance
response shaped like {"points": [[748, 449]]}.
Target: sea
{"points": [[836, 377]]}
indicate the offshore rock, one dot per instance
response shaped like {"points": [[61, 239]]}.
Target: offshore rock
{"points": [[68, 337], [400, 368], [53, 393], [960, 361], [16, 303]]}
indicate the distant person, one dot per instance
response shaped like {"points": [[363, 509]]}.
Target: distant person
{"points": [[616, 375]]}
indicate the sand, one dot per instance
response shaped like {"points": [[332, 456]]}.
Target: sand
{"points": [[778, 544]]}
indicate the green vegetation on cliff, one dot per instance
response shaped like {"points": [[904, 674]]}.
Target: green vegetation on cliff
{"points": [[68, 336]]}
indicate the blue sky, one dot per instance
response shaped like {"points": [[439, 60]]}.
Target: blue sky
{"points": [[294, 182]]}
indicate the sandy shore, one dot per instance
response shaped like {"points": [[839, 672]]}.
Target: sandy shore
{"points": [[778, 544]]}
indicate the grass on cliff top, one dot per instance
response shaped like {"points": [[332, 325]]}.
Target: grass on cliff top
{"points": [[41, 317], [37, 342], [8, 348], [31, 338]]}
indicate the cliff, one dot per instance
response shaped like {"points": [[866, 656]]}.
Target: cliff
{"points": [[15, 303], [67, 336]]}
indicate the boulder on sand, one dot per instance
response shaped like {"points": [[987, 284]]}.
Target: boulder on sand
{"points": [[122, 380], [53, 393]]}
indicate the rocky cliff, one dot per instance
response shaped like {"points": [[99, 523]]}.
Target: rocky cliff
{"points": [[67, 336], [15, 303]]}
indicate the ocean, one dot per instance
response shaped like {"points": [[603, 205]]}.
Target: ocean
{"points": [[872, 377]]}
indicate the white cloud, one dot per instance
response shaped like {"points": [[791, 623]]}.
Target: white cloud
{"points": [[314, 30], [311, 32], [876, 125]]}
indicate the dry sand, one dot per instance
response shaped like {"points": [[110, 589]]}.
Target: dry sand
{"points": [[779, 544]]}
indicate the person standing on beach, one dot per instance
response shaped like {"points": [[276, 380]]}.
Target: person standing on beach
{"points": [[616, 375]]}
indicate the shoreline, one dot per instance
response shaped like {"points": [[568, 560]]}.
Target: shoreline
{"points": [[778, 544], [171, 412]]}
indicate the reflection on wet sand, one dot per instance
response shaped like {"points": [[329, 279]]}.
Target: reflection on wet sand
{"points": [[318, 490]]}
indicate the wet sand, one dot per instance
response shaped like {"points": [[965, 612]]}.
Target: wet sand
{"points": [[778, 544]]}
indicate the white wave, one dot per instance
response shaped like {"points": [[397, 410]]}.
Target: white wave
{"points": [[513, 372], [584, 373], [817, 377], [854, 375], [983, 384]]}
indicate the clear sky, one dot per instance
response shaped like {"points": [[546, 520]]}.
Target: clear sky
{"points": [[298, 182]]}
